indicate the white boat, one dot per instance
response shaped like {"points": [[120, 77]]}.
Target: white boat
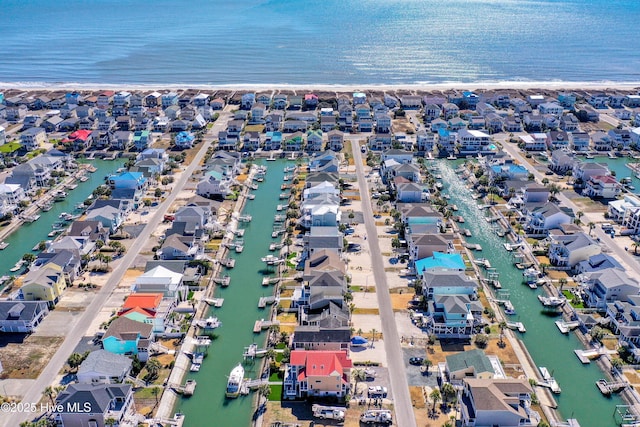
{"points": [[272, 260], [47, 207], [209, 323], [84, 179], [251, 196], [18, 266], [548, 381], [3, 245], [552, 301], [235, 381]]}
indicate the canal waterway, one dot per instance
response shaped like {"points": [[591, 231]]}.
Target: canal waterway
{"points": [[238, 314], [28, 235], [580, 397]]}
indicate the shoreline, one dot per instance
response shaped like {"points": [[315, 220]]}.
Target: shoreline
{"points": [[426, 86]]}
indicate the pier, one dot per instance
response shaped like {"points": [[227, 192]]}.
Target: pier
{"points": [[607, 388], [188, 389], [264, 324], [565, 327], [264, 301], [214, 302]]}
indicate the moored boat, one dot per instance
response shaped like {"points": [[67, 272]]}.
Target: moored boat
{"points": [[235, 381]]}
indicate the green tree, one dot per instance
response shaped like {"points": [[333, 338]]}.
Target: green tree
{"points": [[157, 193], [591, 226], [435, 398], [448, 392], [358, 375], [50, 392], [481, 340], [75, 360], [153, 370], [502, 325], [427, 364]]}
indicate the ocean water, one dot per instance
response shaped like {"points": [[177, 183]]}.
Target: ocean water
{"points": [[226, 42]]}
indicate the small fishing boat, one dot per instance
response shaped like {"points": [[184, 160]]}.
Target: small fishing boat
{"points": [[18, 266], [235, 381], [3, 245]]}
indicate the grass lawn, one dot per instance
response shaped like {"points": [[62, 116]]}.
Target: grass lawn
{"points": [[276, 393], [281, 346], [570, 297], [10, 147], [276, 376]]}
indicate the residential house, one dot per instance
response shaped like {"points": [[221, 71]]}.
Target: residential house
{"points": [[324, 162], [584, 171], [33, 138], [620, 138], [425, 141], [273, 122], [447, 282], [452, 316], [497, 403], [294, 142], [623, 316], [471, 364], [440, 261], [247, 101], [602, 186], [81, 405], [184, 140], [474, 141], [168, 100], [128, 337], [569, 123], [601, 141], [12, 194], [141, 140], [280, 102], [44, 284], [328, 122], [607, 286], [561, 161], [109, 216], [596, 263], [175, 247], [626, 211], [569, 250], [323, 261], [579, 141], [551, 108], [79, 140], [379, 142], [21, 317], [411, 192], [131, 180], [94, 230], [160, 279], [122, 140], [258, 113], [314, 140], [323, 237], [315, 337], [534, 141], [104, 367], [314, 373], [549, 216]]}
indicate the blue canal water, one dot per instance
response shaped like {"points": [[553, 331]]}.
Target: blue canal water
{"points": [[328, 42], [30, 234], [238, 314], [548, 347]]}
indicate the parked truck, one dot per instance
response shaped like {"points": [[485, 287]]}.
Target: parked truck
{"points": [[380, 416], [328, 412]]}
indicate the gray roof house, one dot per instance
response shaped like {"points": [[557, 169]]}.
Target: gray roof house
{"points": [[318, 338], [21, 316], [318, 238], [91, 405], [608, 286], [104, 367]]}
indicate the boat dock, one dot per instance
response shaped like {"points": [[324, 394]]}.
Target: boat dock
{"points": [[188, 389], [548, 381], [518, 326], [607, 388], [253, 351], [270, 281], [264, 301], [565, 327], [585, 356], [214, 302], [264, 324], [223, 281], [228, 262]]}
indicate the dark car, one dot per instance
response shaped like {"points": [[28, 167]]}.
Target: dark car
{"points": [[416, 360]]}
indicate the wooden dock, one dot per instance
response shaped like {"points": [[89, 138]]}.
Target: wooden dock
{"points": [[188, 389], [263, 301], [264, 324], [565, 327], [518, 326], [607, 388], [270, 281], [214, 302], [228, 262]]}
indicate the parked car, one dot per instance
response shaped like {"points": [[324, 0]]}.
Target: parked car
{"points": [[377, 391], [417, 361]]}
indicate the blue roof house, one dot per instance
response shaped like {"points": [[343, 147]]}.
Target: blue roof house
{"points": [[131, 180], [185, 139], [124, 337], [440, 260]]}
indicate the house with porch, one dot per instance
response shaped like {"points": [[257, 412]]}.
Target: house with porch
{"points": [[542, 218], [96, 405], [128, 337], [44, 284], [568, 250], [21, 317], [470, 364], [608, 286], [161, 280], [104, 367], [315, 373], [497, 403], [602, 186]]}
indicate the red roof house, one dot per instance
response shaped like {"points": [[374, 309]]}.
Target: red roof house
{"points": [[317, 374]]}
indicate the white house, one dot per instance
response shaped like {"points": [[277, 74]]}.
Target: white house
{"points": [[547, 217], [569, 250], [602, 186]]}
